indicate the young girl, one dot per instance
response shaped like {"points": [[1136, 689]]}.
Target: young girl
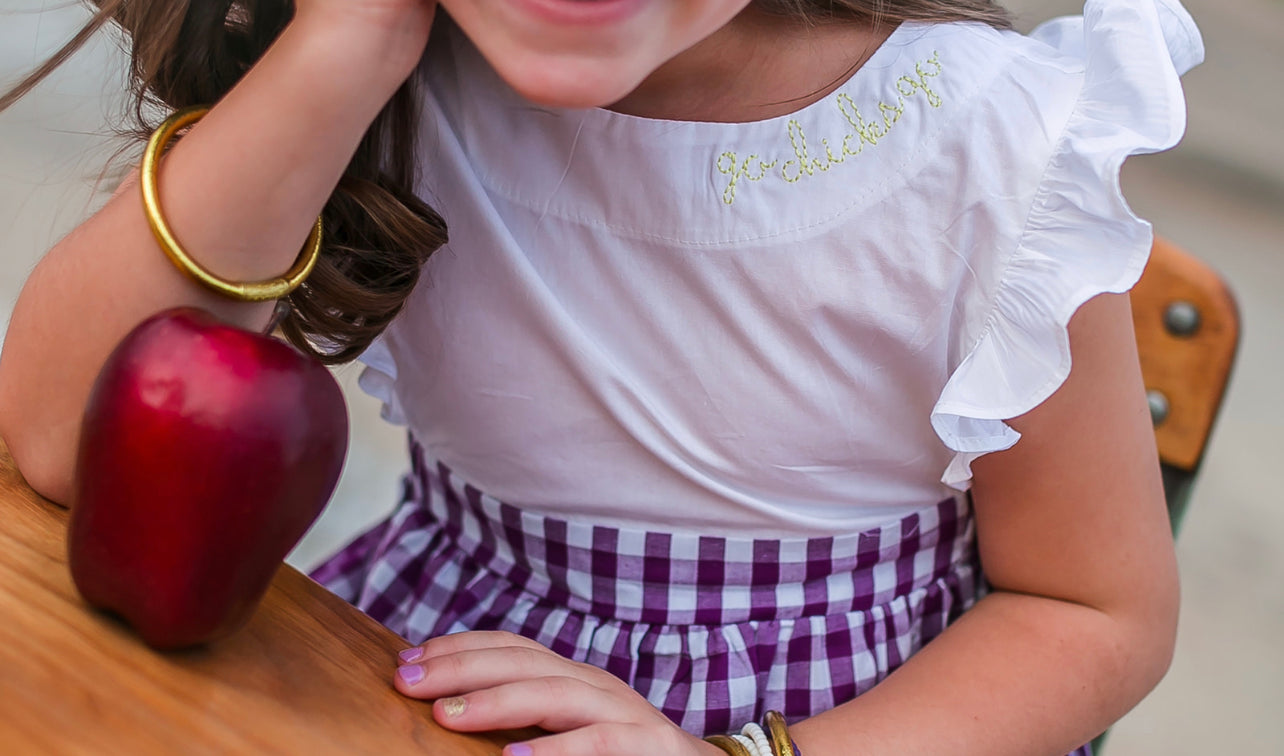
{"points": [[750, 347]]}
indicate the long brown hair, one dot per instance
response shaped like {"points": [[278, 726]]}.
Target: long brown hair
{"points": [[880, 12], [379, 233]]}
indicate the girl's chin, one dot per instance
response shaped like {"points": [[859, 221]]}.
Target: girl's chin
{"points": [[569, 87]]}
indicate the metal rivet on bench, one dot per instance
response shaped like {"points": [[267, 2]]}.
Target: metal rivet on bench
{"points": [[1159, 407], [1182, 318]]}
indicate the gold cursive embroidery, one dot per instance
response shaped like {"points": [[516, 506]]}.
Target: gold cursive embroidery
{"points": [[864, 133], [730, 165]]}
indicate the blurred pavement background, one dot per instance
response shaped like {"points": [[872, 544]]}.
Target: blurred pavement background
{"points": [[1220, 195]]}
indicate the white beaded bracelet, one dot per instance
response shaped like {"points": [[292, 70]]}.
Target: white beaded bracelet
{"points": [[771, 738], [749, 745], [755, 733]]}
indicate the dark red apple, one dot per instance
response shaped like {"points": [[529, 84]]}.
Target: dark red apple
{"points": [[206, 453]]}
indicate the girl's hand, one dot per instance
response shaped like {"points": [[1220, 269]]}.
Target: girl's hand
{"points": [[392, 12], [500, 681], [392, 25]]}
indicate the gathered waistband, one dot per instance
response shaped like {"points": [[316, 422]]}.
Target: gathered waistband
{"points": [[691, 579]]}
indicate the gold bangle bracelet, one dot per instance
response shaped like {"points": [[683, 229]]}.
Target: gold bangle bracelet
{"points": [[728, 745], [781, 742], [254, 291]]}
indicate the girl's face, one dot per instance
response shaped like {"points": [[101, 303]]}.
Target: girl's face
{"points": [[585, 53]]}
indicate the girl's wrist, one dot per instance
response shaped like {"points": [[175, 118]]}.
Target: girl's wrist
{"points": [[380, 49]]}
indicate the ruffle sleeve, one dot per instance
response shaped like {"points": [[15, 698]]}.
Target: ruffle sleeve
{"points": [[379, 379], [1080, 238]]}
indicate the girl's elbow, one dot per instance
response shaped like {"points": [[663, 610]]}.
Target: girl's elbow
{"points": [[47, 473], [1154, 633], [1164, 631]]}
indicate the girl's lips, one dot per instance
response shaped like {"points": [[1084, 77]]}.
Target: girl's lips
{"points": [[580, 12]]}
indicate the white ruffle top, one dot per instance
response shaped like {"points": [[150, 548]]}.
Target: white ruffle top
{"points": [[806, 325]]}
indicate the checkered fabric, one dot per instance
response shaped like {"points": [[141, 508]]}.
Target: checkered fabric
{"points": [[713, 631]]}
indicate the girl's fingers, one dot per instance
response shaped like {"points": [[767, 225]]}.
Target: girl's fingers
{"points": [[597, 740], [499, 681], [470, 670], [556, 704], [468, 641]]}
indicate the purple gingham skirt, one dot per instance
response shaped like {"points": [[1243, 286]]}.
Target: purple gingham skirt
{"points": [[713, 631]]}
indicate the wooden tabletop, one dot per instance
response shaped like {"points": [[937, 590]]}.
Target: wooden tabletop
{"points": [[308, 674]]}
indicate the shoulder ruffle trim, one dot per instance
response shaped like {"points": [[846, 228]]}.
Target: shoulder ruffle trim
{"points": [[1081, 238], [379, 379]]}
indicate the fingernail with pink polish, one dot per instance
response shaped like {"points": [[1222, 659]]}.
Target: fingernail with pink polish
{"points": [[411, 655], [519, 749], [410, 674]]}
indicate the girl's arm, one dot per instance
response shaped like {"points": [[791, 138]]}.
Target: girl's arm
{"points": [[1075, 540], [242, 190]]}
